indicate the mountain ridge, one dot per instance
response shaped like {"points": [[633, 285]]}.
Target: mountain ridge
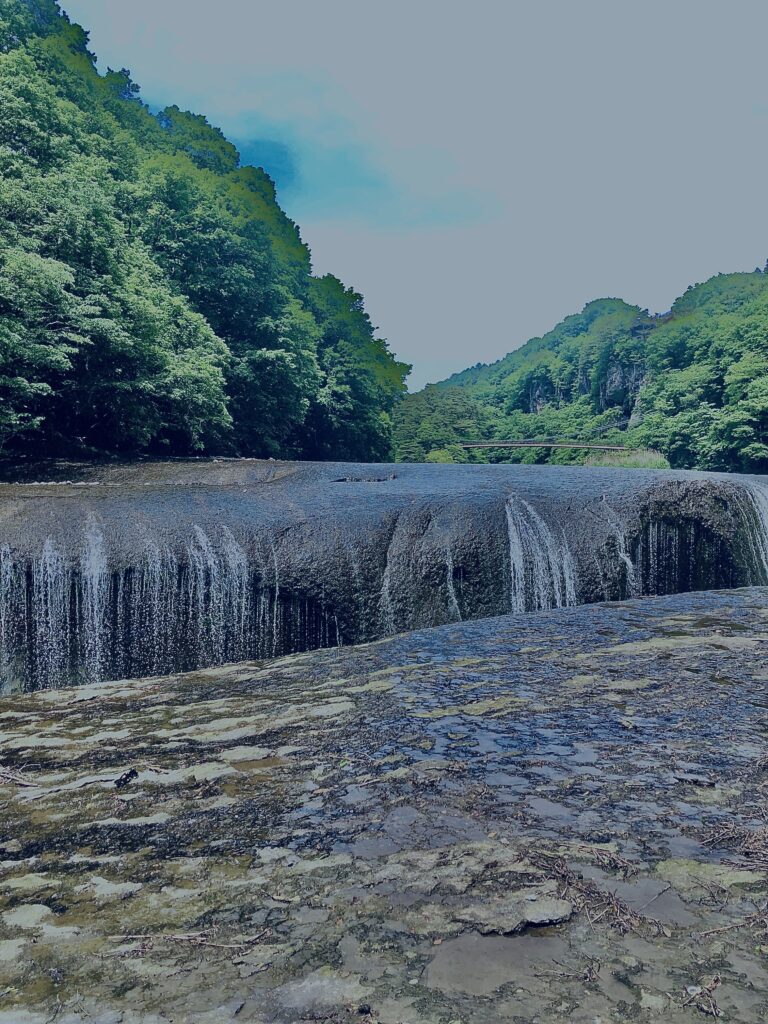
{"points": [[690, 384]]}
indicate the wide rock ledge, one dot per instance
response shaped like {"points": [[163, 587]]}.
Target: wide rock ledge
{"points": [[547, 817]]}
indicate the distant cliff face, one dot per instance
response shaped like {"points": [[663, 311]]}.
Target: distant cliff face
{"points": [[145, 569], [691, 385]]}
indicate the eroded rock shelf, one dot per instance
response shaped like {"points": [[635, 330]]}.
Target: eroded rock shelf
{"points": [[117, 571], [548, 817]]}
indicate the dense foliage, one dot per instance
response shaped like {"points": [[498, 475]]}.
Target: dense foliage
{"points": [[691, 385], [153, 295]]}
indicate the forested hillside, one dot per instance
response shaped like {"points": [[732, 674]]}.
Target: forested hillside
{"points": [[691, 385], [154, 298]]}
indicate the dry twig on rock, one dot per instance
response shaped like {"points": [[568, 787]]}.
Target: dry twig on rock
{"points": [[13, 778], [193, 938]]}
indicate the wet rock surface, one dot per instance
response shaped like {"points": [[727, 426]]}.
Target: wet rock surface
{"points": [[114, 571], [547, 817]]}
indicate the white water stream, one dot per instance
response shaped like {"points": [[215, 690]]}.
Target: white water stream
{"points": [[541, 569]]}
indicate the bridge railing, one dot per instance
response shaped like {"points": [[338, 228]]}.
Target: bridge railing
{"points": [[532, 443]]}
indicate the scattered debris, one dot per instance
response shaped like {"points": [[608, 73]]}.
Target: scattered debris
{"points": [[126, 778], [193, 938], [702, 996], [752, 843], [13, 778], [587, 896]]}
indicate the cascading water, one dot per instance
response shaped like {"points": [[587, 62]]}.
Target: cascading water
{"points": [[130, 578], [453, 601], [659, 556], [386, 611], [541, 568], [6, 591], [675, 551], [757, 494], [95, 589], [618, 531], [49, 629], [207, 605]]}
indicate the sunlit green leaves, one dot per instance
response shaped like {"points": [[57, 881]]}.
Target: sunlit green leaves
{"points": [[692, 385], [153, 295]]}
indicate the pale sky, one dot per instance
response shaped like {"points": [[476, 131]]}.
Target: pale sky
{"points": [[480, 170]]}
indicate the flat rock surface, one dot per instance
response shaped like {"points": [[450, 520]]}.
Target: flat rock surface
{"points": [[551, 817]]}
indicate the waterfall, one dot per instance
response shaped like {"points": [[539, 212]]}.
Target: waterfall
{"points": [[50, 631], [219, 596], [89, 590], [6, 591], [619, 534], [757, 493], [95, 589], [659, 556], [386, 611], [235, 563], [541, 568], [356, 575], [453, 603], [207, 604], [276, 601]]}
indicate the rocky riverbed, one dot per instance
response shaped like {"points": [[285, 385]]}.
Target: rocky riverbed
{"points": [[550, 817]]}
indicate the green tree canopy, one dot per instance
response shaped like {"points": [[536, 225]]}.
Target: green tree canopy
{"points": [[153, 295], [691, 384]]}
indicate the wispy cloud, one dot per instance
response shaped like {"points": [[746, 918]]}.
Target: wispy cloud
{"points": [[315, 139], [342, 180], [311, 136]]}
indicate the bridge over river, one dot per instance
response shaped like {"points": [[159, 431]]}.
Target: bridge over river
{"points": [[531, 443]]}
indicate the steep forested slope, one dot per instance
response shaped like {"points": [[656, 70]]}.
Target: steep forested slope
{"points": [[692, 384], [153, 295]]}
